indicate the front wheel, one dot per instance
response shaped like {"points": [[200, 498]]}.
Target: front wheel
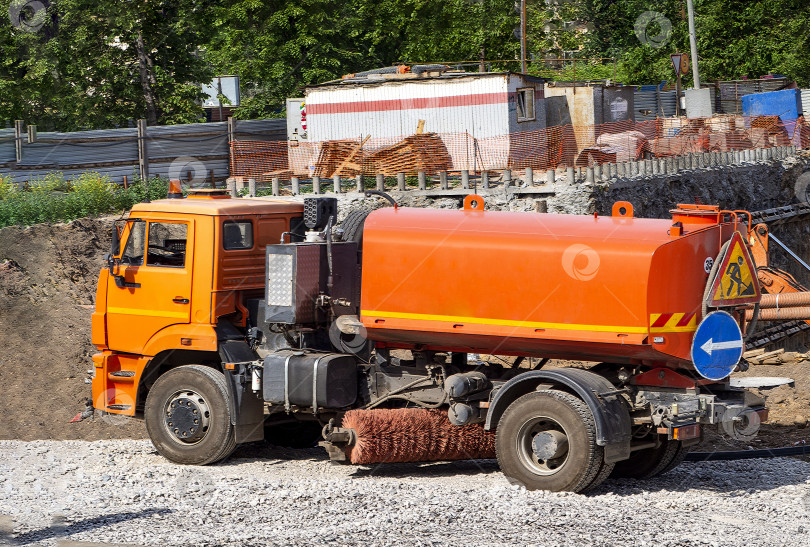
{"points": [[187, 416], [546, 440]]}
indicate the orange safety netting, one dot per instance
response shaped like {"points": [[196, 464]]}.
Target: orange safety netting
{"points": [[550, 148]]}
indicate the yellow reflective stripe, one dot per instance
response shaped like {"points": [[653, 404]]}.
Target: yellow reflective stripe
{"points": [[687, 328], [502, 322], [151, 313]]}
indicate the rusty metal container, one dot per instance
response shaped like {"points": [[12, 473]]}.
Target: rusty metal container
{"points": [[618, 289]]}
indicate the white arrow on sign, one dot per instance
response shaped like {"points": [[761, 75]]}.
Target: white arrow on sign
{"points": [[710, 345]]}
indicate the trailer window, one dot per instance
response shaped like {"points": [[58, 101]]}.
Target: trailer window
{"points": [[237, 235], [525, 104], [167, 244], [133, 251]]}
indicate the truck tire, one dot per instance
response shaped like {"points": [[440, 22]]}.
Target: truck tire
{"points": [[568, 430], [651, 462], [187, 416], [352, 226]]}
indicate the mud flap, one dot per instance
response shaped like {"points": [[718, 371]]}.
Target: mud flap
{"points": [[246, 407]]}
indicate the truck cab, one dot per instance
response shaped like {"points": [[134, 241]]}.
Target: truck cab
{"points": [[179, 277]]}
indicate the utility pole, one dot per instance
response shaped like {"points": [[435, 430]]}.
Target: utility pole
{"points": [[523, 36], [693, 43]]}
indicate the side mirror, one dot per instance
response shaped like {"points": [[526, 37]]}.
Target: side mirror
{"points": [[115, 249]]}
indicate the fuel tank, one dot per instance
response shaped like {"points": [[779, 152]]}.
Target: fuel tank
{"points": [[617, 289]]}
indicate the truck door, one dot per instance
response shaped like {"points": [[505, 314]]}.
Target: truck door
{"points": [[155, 292]]}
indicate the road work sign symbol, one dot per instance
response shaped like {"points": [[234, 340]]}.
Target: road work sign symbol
{"points": [[736, 281], [717, 346]]}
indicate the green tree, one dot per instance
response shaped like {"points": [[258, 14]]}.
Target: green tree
{"points": [[96, 65]]}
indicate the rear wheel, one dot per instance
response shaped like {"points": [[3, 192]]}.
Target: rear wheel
{"points": [[187, 416], [651, 462], [546, 440]]}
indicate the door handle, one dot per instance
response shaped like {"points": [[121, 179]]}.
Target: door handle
{"points": [[180, 300]]}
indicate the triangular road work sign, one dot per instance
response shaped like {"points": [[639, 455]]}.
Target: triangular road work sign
{"points": [[676, 61], [736, 281]]}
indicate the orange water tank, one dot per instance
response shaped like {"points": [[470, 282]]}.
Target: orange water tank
{"points": [[617, 289]]}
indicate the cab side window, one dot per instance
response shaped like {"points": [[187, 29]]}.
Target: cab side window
{"points": [[237, 235], [167, 244], [134, 249]]}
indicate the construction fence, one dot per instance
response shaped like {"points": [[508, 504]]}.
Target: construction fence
{"points": [[198, 152], [432, 154]]}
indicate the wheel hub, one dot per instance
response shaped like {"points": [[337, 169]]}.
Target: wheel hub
{"points": [[550, 444], [187, 416], [542, 445]]}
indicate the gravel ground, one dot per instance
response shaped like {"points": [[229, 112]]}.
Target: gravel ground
{"points": [[122, 492]]}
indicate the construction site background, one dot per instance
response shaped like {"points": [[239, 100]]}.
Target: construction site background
{"points": [[541, 150]]}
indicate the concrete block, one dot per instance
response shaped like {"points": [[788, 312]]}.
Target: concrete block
{"points": [[401, 182], [316, 184], [296, 185], [698, 103], [465, 179], [484, 179], [380, 182], [528, 179], [589, 175], [252, 188], [276, 186], [360, 183], [336, 184], [422, 180], [551, 176], [570, 178]]}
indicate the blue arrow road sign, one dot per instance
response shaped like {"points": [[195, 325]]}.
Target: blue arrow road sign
{"points": [[717, 346]]}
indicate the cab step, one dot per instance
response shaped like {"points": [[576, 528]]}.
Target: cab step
{"points": [[122, 376]]}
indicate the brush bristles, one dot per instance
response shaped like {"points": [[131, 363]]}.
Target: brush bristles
{"points": [[414, 435]]}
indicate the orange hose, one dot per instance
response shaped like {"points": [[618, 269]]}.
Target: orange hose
{"points": [[785, 300], [774, 314]]}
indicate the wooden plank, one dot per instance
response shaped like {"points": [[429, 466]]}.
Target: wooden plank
{"points": [[351, 156]]}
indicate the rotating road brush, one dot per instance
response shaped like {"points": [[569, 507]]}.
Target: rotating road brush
{"points": [[413, 435]]}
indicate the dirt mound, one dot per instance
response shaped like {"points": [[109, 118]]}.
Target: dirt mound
{"points": [[47, 291]]}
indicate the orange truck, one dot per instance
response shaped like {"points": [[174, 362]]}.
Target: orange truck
{"points": [[222, 321]]}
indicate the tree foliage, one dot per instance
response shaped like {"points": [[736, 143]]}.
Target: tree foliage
{"points": [[77, 64]]}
